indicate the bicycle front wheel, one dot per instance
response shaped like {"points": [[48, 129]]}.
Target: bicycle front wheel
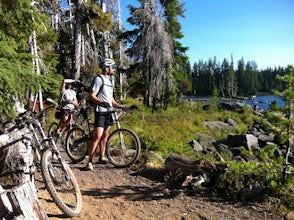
{"points": [[77, 143], [61, 184], [123, 147]]}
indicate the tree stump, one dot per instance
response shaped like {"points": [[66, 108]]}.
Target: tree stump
{"points": [[18, 194], [21, 202]]}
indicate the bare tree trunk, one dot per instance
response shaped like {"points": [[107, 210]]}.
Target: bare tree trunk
{"points": [[71, 19], [290, 107], [154, 104], [78, 46], [83, 56], [78, 42], [94, 46], [165, 105], [221, 87], [34, 52]]}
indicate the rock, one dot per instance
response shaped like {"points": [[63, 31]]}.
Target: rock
{"points": [[218, 125], [231, 106], [249, 141], [224, 148], [263, 139], [196, 146], [206, 141], [289, 215], [231, 122]]}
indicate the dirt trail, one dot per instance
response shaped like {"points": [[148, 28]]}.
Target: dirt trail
{"points": [[125, 194]]}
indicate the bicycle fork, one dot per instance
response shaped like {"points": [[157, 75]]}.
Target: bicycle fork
{"points": [[121, 137]]}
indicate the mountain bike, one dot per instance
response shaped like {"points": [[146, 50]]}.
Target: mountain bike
{"points": [[123, 145], [78, 119], [58, 177]]}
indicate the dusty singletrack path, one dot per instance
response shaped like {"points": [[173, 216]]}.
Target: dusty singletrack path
{"points": [[126, 194]]}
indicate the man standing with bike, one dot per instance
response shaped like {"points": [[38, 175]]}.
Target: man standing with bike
{"points": [[101, 93]]}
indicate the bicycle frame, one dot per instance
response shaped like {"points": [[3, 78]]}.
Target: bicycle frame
{"points": [[42, 142]]}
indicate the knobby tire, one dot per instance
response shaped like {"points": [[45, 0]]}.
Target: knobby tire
{"points": [[61, 184], [123, 154], [77, 144], [52, 129]]}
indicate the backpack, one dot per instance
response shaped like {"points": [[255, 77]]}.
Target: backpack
{"points": [[92, 104]]}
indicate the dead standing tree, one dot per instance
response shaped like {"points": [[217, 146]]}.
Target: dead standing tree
{"points": [[88, 22], [152, 49]]}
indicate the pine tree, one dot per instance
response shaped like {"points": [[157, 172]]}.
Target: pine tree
{"points": [[172, 10], [287, 96], [230, 80], [16, 69]]}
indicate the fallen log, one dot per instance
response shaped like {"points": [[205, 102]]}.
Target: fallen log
{"points": [[196, 171], [187, 165]]}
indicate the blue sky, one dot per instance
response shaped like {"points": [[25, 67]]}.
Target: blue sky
{"points": [[257, 30]]}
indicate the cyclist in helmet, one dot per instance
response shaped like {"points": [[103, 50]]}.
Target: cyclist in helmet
{"points": [[104, 100]]}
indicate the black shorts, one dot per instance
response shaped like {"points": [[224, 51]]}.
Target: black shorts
{"points": [[103, 119], [66, 112]]}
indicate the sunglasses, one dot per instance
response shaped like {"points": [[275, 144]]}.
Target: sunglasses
{"points": [[113, 66]]}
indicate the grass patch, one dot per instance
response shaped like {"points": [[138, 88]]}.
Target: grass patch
{"points": [[170, 131]]}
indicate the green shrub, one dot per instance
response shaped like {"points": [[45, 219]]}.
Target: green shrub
{"points": [[263, 171]]}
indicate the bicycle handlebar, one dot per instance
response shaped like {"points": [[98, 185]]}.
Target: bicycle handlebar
{"points": [[20, 121], [113, 110], [52, 102]]}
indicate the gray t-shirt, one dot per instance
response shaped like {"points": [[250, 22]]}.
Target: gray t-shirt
{"points": [[106, 93], [67, 96]]}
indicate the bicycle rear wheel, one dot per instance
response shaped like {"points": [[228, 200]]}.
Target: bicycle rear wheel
{"points": [[61, 184], [52, 129], [77, 143], [123, 147]]}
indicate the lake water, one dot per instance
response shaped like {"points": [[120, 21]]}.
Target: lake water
{"points": [[262, 102]]}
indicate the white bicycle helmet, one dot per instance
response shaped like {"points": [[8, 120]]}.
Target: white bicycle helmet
{"points": [[107, 62]]}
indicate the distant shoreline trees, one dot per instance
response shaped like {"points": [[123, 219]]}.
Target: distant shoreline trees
{"points": [[245, 80]]}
